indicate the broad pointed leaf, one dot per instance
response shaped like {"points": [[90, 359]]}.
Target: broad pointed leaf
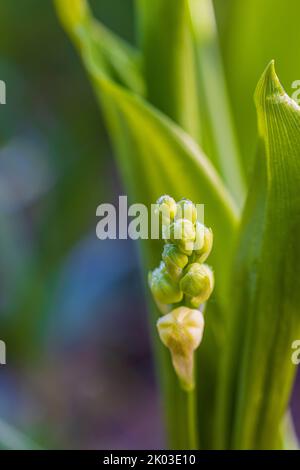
{"points": [[258, 371]]}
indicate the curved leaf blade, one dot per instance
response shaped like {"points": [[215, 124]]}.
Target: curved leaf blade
{"points": [[169, 62], [258, 371], [121, 59]]}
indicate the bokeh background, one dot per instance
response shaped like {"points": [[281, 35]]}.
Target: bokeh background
{"points": [[79, 370]]}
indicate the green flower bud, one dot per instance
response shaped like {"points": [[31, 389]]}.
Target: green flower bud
{"points": [[174, 260], [203, 243], [193, 302], [186, 209], [182, 234], [199, 239], [181, 331], [164, 289], [167, 208], [197, 283]]}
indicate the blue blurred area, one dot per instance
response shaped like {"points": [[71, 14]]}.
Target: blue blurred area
{"points": [[95, 273], [79, 372]]}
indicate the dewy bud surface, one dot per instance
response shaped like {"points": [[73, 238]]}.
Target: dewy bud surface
{"points": [[182, 234], [167, 208]]}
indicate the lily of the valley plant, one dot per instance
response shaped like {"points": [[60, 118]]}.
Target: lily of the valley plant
{"points": [[182, 283], [170, 122]]}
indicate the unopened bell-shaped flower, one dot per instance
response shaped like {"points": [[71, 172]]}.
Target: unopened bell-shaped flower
{"points": [[186, 209], [174, 260], [167, 208], [182, 234], [203, 243], [181, 331], [164, 289], [197, 284]]}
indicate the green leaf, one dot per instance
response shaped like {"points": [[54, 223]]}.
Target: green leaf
{"points": [[251, 32], [185, 79], [257, 372], [120, 58], [156, 157], [218, 137], [169, 62]]}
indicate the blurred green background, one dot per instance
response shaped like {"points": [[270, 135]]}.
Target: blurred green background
{"points": [[79, 372]]}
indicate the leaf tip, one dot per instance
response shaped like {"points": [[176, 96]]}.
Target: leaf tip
{"points": [[268, 86]]}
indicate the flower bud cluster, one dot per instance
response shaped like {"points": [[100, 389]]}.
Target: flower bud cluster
{"points": [[181, 275], [182, 282]]}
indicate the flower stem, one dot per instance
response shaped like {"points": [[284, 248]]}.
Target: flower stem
{"points": [[191, 420]]}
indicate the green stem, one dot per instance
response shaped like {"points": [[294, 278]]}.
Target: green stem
{"points": [[192, 421]]}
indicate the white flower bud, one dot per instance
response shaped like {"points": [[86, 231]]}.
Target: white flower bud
{"points": [[181, 331], [182, 234], [186, 209], [203, 243], [167, 208]]}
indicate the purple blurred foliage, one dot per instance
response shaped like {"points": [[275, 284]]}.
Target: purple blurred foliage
{"points": [[95, 385]]}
